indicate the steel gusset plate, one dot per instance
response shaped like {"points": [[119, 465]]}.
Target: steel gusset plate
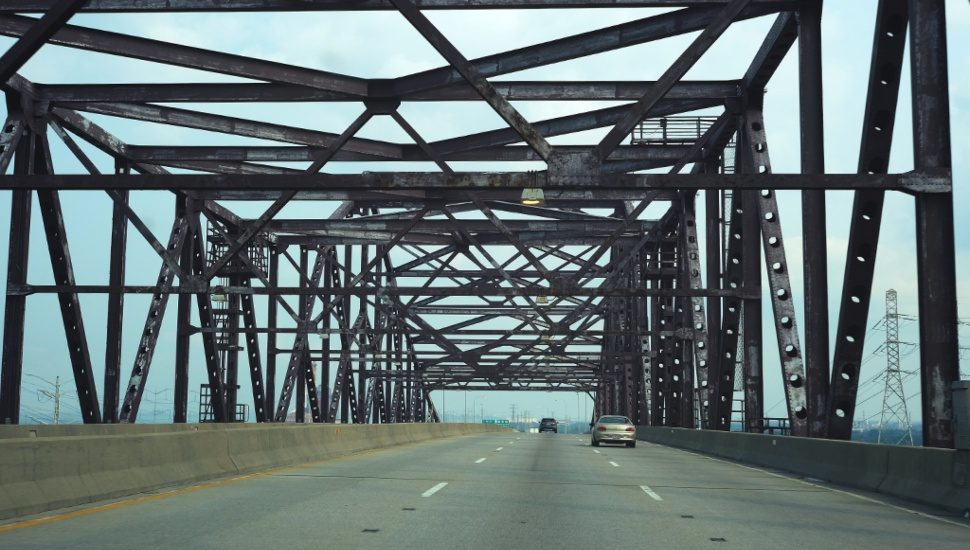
{"points": [[782, 303]]}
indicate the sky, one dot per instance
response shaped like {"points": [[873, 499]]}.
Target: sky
{"points": [[382, 45]]}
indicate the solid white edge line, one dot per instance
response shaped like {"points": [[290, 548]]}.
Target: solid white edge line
{"points": [[434, 489], [615, 465], [824, 487], [479, 461], [649, 491]]}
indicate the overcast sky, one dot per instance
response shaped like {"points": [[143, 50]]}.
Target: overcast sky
{"points": [[384, 45]]}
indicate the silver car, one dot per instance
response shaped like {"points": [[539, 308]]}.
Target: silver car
{"points": [[614, 429]]}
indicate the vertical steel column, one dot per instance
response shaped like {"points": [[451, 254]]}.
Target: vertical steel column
{"points": [[116, 300], [753, 355], [813, 216], [363, 336], [713, 253], [304, 357], [935, 250], [271, 313], [232, 337], [203, 301], [183, 317], [751, 275], [15, 307], [325, 330]]}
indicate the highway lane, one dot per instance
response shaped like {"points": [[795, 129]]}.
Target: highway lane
{"points": [[505, 490]]}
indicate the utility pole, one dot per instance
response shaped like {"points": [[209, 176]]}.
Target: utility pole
{"points": [[155, 395], [55, 395], [894, 396]]}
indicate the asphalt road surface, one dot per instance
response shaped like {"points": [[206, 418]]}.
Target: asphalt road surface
{"points": [[507, 490]]}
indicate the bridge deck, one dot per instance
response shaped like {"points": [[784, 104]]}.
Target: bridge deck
{"points": [[531, 490]]}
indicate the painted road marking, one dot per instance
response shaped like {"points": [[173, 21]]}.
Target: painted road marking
{"points": [[650, 492], [499, 449], [595, 451], [434, 489], [479, 461], [615, 465], [823, 487]]}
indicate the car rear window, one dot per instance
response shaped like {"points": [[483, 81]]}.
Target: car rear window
{"points": [[614, 420]]}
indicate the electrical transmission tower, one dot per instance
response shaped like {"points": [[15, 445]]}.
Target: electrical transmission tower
{"points": [[894, 396]]}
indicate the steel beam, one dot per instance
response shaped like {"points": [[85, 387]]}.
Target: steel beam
{"points": [[889, 44], [935, 247], [814, 233]]}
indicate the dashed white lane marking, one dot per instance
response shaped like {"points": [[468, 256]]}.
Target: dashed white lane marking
{"points": [[434, 489], [615, 465], [479, 461], [827, 488], [650, 492], [499, 449], [595, 451]]}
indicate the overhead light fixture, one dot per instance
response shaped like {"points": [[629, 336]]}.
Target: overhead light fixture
{"points": [[533, 196], [542, 300]]}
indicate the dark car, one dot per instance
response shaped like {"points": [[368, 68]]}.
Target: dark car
{"points": [[548, 425]]}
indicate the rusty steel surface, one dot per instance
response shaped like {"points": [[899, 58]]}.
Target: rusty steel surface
{"points": [[403, 283]]}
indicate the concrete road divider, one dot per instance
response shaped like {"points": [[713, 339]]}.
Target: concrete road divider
{"points": [[49, 467], [936, 477]]}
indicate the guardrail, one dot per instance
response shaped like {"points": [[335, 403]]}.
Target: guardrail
{"points": [[936, 477], [48, 467]]}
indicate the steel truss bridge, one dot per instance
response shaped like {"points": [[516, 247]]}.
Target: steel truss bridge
{"points": [[437, 279]]}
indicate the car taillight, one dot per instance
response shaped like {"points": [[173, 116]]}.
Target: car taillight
{"points": [[601, 429], [630, 429]]}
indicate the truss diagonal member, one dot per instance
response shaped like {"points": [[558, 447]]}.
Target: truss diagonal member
{"points": [[602, 40], [617, 233], [470, 73], [35, 34], [184, 56], [99, 137], [243, 257], [149, 336], [428, 150], [62, 266], [256, 378], [713, 134], [199, 120], [507, 233], [300, 347], [780, 38], [10, 136], [880, 115], [495, 265], [257, 225], [203, 302], [676, 71], [119, 199], [782, 302], [435, 273], [692, 273], [385, 250]]}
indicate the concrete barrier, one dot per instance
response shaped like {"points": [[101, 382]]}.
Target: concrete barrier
{"points": [[49, 467], [936, 477]]}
